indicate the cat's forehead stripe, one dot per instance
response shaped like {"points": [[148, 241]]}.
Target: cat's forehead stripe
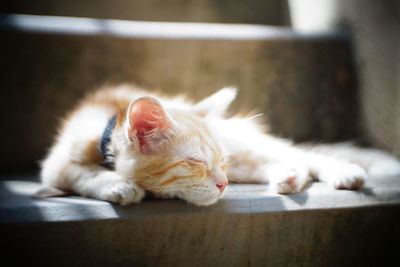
{"points": [[167, 168], [174, 178]]}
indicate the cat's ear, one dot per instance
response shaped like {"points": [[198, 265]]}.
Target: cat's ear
{"points": [[217, 104], [148, 124]]}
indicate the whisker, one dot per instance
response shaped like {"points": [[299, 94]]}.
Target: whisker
{"points": [[255, 116]]}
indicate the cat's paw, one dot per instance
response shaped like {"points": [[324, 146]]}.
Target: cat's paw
{"points": [[289, 178], [123, 193], [346, 176]]}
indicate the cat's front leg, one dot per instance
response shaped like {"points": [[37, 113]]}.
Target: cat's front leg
{"points": [[284, 177], [90, 181], [122, 192], [339, 174], [292, 176], [112, 187], [287, 177]]}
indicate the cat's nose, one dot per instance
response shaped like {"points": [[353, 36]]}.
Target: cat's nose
{"points": [[221, 185]]}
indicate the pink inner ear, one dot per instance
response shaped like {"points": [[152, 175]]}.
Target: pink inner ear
{"points": [[148, 121]]}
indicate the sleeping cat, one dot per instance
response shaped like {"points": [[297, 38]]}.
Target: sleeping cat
{"points": [[120, 142]]}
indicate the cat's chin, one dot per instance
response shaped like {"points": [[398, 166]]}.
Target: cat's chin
{"points": [[207, 202], [201, 200]]}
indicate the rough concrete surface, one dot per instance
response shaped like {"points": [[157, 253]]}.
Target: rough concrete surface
{"points": [[250, 226]]}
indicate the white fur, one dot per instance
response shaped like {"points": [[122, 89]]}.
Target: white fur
{"points": [[283, 161], [60, 169], [253, 155], [376, 162]]}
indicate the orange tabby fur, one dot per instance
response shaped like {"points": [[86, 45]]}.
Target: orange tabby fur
{"points": [[174, 148], [161, 167]]}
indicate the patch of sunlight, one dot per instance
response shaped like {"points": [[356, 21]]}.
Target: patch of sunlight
{"points": [[313, 16], [145, 30], [17, 201], [21, 187], [74, 208]]}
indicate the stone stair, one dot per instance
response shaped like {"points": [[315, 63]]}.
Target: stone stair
{"points": [[271, 12], [249, 226], [304, 83]]}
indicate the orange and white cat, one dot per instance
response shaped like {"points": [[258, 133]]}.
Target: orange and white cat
{"points": [[120, 142]]}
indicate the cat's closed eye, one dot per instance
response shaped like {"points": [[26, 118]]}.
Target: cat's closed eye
{"points": [[223, 165], [199, 166]]}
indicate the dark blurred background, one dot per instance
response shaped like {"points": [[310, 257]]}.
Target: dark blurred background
{"points": [[333, 75]]}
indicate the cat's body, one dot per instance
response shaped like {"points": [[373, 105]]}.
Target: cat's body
{"points": [[172, 148]]}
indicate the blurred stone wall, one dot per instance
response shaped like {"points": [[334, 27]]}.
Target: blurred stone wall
{"points": [[375, 29], [272, 12], [43, 75]]}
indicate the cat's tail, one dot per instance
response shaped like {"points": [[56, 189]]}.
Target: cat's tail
{"points": [[376, 162], [45, 192]]}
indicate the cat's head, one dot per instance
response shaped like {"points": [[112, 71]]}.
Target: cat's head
{"points": [[177, 151]]}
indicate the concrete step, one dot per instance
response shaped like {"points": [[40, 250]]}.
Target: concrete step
{"points": [[272, 12], [249, 226], [304, 84]]}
